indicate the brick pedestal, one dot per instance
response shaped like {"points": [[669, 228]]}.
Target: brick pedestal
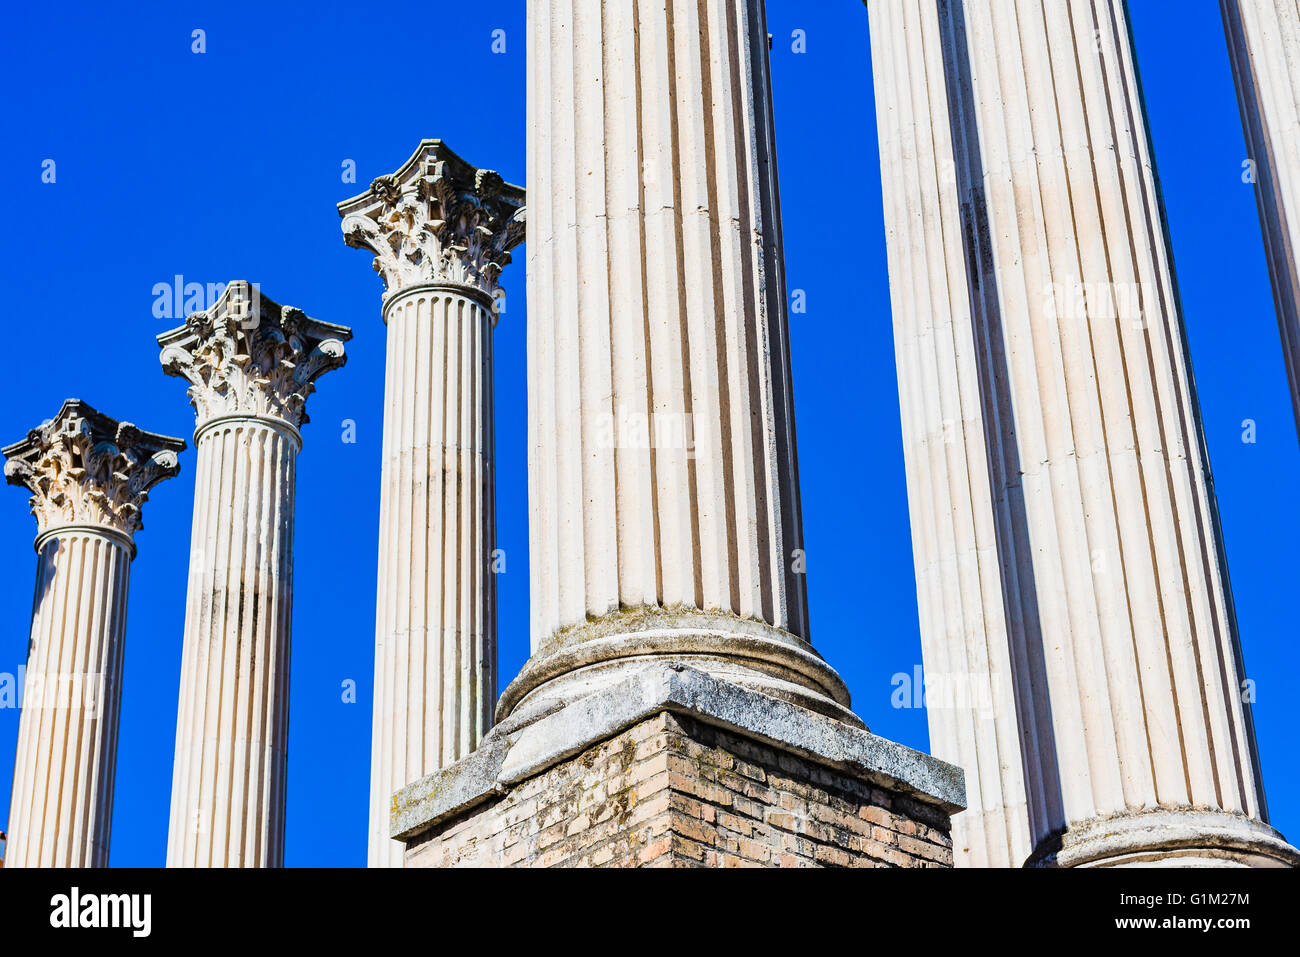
{"points": [[678, 769]]}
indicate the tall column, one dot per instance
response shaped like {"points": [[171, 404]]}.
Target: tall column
{"points": [[89, 476], [1137, 744], [1264, 46], [251, 364], [663, 483], [441, 231], [970, 700]]}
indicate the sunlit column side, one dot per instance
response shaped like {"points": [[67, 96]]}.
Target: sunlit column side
{"points": [[1264, 46], [441, 231], [251, 364], [663, 486], [89, 476], [1139, 748], [970, 701]]}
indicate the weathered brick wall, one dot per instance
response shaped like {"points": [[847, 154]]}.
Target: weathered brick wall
{"points": [[674, 792]]}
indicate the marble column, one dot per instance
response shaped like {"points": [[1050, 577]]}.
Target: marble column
{"points": [[970, 699], [89, 476], [663, 485], [1137, 745], [1264, 46], [441, 231], [251, 364]]}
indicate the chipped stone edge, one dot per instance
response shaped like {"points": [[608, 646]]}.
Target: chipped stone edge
{"points": [[509, 755], [1167, 837]]}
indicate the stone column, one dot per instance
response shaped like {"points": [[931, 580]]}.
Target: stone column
{"points": [[1138, 747], [970, 700], [251, 363], [441, 231], [663, 486], [1264, 46], [89, 476]]}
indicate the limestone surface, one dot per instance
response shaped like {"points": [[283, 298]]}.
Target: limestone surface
{"points": [[664, 514], [1135, 739], [441, 230], [89, 476], [1264, 46], [673, 767], [251, 364], [963, 613]]}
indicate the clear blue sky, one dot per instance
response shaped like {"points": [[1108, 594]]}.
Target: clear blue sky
{"points": [[228, 164]]}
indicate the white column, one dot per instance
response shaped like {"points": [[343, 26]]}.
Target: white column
{"points": [[663, 483], [441, 230], [252, 364], [1264, 46], [89, 475], [971, 701], [1137, 743]]}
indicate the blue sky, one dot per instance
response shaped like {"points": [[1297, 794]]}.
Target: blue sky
{"points": [[228, 164]]}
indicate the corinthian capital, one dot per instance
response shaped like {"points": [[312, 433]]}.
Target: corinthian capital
{"points": [[84, 468], [249, 355], [437, 219]]}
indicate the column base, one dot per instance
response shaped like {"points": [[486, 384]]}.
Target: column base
{"points": [[1168, 838], [583, 659], [672, 767]]}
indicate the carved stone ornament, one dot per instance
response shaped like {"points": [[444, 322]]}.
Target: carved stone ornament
{"points": [[249, 355], [437, 220], [84, 468]]}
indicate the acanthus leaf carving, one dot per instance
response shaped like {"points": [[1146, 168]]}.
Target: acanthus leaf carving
{"points": [[249, 355], [85, 468], [437, 220]]}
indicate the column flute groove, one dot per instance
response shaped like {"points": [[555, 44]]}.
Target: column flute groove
{"points": [[441, 231], [1136, 744], [251, 364], [663, 480], [1264, 48], [89, 476], [962, 613]]}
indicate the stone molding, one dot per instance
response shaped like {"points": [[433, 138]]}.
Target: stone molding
{"points": [[250, 356], [87, 469], [515, 751], [438, 219], [1182, 837], [747, 651]]}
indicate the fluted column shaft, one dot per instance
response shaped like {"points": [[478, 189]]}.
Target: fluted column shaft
{"points": [[441, 231], [1136, 741], [229, 779], [89, 476], [62, 809], [251, 364], [663, 482], [970, 700], [435, 648], [1264, 46], [655, 268]]}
